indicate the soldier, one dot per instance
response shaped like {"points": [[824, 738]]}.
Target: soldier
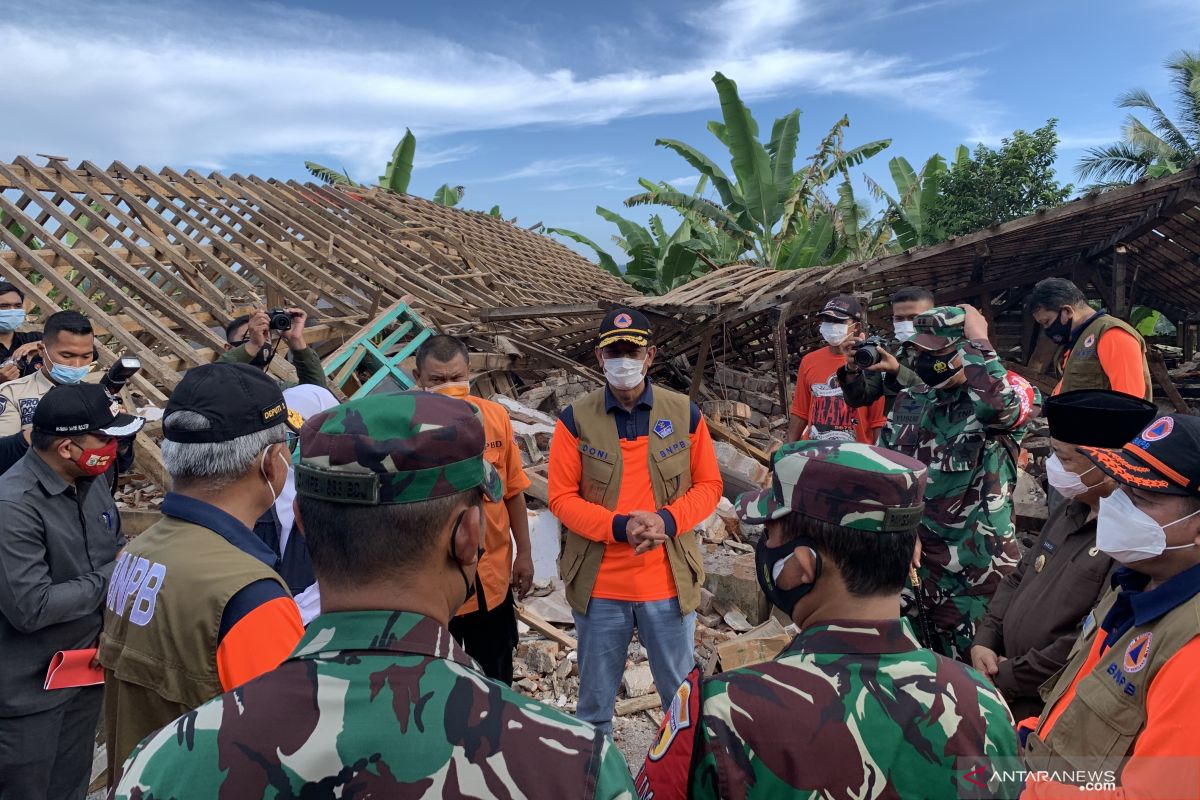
{"points": [[1125, 707], [1033, 618], [965, 421], [863, 386], [854, 707], [378, 700]]}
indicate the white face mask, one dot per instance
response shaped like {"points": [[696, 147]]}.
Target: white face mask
{"points": [[1067, 483], [262, 468], [834, 333], [624, 373], [1129, 534], [904, 330]]}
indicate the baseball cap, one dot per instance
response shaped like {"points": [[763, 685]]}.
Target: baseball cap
{"points": [[1163, 458], [843, 307], [395, 448], [73, 409], [854, 485], [1097, 417], [624, 325], [236, 399], [938, 328]]}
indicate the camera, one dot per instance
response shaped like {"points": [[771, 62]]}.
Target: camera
{"points": [[119, 374], [867, 353], [280, 319]]}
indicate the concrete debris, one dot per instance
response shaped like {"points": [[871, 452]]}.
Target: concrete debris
{"points": [[638, 681], [541, 657]]}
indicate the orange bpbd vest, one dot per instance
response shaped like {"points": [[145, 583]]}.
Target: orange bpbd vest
{"points": [[670, 467], [1100, 724]]}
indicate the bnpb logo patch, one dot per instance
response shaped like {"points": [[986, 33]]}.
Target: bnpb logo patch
{"points": [[1137, 653], [1089, 341], [623, 320], [1159, 429]]}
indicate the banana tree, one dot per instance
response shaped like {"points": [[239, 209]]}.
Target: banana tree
{"points": [[910, 212], [768, 201], [396, 174], [658, 261]]}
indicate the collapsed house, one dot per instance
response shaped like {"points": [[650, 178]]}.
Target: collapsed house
{"points": [[162, 260]]}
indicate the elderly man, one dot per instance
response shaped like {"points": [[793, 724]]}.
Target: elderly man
{"points": [[1098, 350], [196, 605], [1033, 618], [378, 701], [1126, 703], [854, 707], [632, 471], [59, 535]]}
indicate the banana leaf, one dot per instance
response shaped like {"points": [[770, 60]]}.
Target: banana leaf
{"points": [[398, 171]]}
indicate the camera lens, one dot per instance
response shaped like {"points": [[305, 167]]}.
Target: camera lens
{"points": [[866, 355]]}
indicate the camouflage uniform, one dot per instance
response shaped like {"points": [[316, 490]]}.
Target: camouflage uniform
{"points": [[379, 703], [852, 708], [968, 436]]}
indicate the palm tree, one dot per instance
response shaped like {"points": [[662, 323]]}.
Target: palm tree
{"points": [[1160, 148]]}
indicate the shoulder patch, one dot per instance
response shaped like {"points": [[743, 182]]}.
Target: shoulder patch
{"points": [[666, 770], [1137, 653], [28, 405], [3, 403]]}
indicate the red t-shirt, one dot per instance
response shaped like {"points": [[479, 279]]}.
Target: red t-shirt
{"points": [[819, 402]]}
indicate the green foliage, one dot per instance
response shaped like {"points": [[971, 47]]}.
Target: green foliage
{"points": [[398, 171], [994, 186], [448, 196], [328, 174], [1159, 148], [910, 214], [767, 202]]}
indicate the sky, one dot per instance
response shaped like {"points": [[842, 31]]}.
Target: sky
{"points": [[549, 109]]}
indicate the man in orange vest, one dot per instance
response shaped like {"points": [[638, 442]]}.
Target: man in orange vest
{"points": [[1125, 707], [632, 472], [486, 625]]}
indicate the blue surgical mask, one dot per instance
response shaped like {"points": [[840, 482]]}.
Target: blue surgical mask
{"points": [[11, 319], [62, 374]]}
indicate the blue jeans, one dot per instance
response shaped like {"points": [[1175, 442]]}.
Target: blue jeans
{"points": [[604, 635]]}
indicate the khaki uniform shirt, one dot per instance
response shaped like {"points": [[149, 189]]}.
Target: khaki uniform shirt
{"points": [[19, 399]]}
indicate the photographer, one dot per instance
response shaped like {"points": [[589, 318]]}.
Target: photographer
{"points": [[248, 341], [864, 383], [818, 409], [15, 346]]}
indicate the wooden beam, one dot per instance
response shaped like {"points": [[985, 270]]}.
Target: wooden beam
{"points": [[1158, 371], [1120, 308], [547, 629], [535, 312], [701, 363], [633, 705]]}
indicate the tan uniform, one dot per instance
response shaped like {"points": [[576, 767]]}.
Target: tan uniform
{"points": [[18, 400]]}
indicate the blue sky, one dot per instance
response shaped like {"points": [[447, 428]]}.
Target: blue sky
{"points": [[551, 108]]}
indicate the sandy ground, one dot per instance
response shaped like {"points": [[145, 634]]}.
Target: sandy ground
{"points": [[634, 735]]}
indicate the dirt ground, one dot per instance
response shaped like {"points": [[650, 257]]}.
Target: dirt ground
{"points": [[634, 735]]}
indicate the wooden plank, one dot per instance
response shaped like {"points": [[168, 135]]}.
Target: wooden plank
{"points": [[546, 629], [635, 705], [724, 434], [701, 364], [147, 457], [1158, 371], [1119, 259], [539, 487], [536, 312]]}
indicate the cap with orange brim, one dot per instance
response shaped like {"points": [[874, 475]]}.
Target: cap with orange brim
{"points": [[1163, 458]]}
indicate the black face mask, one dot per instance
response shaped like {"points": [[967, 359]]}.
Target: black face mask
{"points": [[936, 370], [454, 535], [766, 558], [1058, 331]]}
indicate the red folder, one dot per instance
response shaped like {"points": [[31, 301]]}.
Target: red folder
{"points": [[71, 668]]}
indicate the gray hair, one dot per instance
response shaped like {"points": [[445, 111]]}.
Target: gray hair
{"points": [[218, 464]]}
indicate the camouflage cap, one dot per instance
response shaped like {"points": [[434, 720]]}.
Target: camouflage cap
{"points": [[394, 448], [854, 485], [938, 328]]}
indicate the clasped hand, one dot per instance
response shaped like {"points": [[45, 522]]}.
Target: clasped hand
{"points": [[646, 531]]}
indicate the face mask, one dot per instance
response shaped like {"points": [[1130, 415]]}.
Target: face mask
{"points": [[11, 319], [262, 468], [1065, 482], [1058, 331], [624, 373], [769, 562], [459, 389], [64, 375], [96, 462], [454, 535], [1129, 534], [937, 371], [262, 359], [904, 330], [834, 333]]}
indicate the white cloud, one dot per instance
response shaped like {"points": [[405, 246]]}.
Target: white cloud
{"points": [[541, 168], [163, 83]]}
